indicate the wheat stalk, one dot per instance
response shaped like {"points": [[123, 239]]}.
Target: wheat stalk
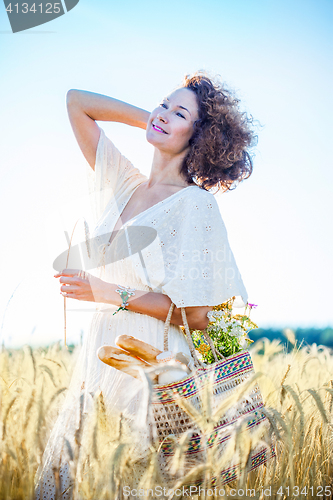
{"points": [[67, 259]]}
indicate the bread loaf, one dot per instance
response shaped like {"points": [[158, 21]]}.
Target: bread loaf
{"points": [[121, 360], [138, 348]]}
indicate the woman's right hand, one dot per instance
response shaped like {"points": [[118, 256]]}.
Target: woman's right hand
{"points": [[86, 107]]}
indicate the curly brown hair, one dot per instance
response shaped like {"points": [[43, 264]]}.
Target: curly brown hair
{"points": [[218, 156]]}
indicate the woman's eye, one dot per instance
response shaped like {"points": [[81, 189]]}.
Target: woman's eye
{"points": [[163, 105], [182, 116]]}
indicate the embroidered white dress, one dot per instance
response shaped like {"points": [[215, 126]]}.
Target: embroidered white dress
{"points": [[178, 247]]}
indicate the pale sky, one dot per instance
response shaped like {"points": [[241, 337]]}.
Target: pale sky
{"points": [[275, 54]]}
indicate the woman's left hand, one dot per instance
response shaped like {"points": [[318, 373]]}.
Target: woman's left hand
{"points": [[80, 285]]}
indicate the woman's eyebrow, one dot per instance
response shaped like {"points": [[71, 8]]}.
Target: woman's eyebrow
{"points": [[178, 105]]}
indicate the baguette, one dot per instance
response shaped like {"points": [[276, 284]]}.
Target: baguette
{"points": [[138, 348], [121, 360]]}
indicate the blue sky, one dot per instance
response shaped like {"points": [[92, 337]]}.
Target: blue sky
{"points": [[275, 54]]}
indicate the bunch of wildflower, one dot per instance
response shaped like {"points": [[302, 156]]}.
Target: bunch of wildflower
{"points": [[227, 331]]}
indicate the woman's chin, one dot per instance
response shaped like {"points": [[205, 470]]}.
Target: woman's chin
{"points": [[152, 139]]}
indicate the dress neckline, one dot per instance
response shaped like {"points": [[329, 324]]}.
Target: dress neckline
{"points": [[147, 209]]}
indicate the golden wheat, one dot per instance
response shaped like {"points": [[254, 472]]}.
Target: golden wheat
{"points": [[296, 387]]}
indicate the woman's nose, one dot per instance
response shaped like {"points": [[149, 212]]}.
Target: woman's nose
{"points": [[162, 117]]}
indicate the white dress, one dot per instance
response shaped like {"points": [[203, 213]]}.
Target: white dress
{"points": [[178, 247]]}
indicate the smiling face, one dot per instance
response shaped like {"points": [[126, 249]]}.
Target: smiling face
{"points": [[170, 125]]}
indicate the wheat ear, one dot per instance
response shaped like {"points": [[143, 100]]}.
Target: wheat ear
{"points": [[69, 248]]}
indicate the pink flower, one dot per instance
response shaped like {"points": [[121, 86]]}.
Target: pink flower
{"points": [[252, 305]]}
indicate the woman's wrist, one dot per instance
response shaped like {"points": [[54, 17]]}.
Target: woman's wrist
{"points": [[140, 301], [115, 294], [110, 296]]}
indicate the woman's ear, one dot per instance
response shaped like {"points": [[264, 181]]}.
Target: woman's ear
{"points": [[196, 127]]}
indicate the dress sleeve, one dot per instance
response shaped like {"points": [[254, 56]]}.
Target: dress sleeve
{"points": [[113, 174], [201, 268]]}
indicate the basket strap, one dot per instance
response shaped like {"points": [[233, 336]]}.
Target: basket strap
{"points": [[197, 362], [167, 326], [215, 351]]}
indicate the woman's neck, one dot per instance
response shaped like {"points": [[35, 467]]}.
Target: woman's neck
{"points": [[165, 169]]}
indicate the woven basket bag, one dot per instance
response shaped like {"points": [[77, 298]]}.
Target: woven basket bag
{"points": [[225, 376]]}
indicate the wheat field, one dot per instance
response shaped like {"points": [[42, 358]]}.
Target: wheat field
{"points": [[297, 388]]}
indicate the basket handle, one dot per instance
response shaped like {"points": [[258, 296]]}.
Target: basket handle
{"points": [[197, 362], [216, 353]]}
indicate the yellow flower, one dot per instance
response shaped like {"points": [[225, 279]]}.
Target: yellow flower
{"points": [[241, 317], [203, 348], [226, 305]]}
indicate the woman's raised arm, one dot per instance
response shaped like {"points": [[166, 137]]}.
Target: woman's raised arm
{"points": [[84, 108]]}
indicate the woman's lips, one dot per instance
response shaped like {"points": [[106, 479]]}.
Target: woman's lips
{"points": [[159, 129]]}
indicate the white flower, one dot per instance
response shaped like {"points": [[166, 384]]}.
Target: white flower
{"points": [[243, 343], [222, 324], [214, 315], [237, 332]]}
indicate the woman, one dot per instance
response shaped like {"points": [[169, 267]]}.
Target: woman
{"points": [[162, 237]]}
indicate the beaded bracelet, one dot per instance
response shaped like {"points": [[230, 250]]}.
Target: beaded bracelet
{"points": [[125, 292]]}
